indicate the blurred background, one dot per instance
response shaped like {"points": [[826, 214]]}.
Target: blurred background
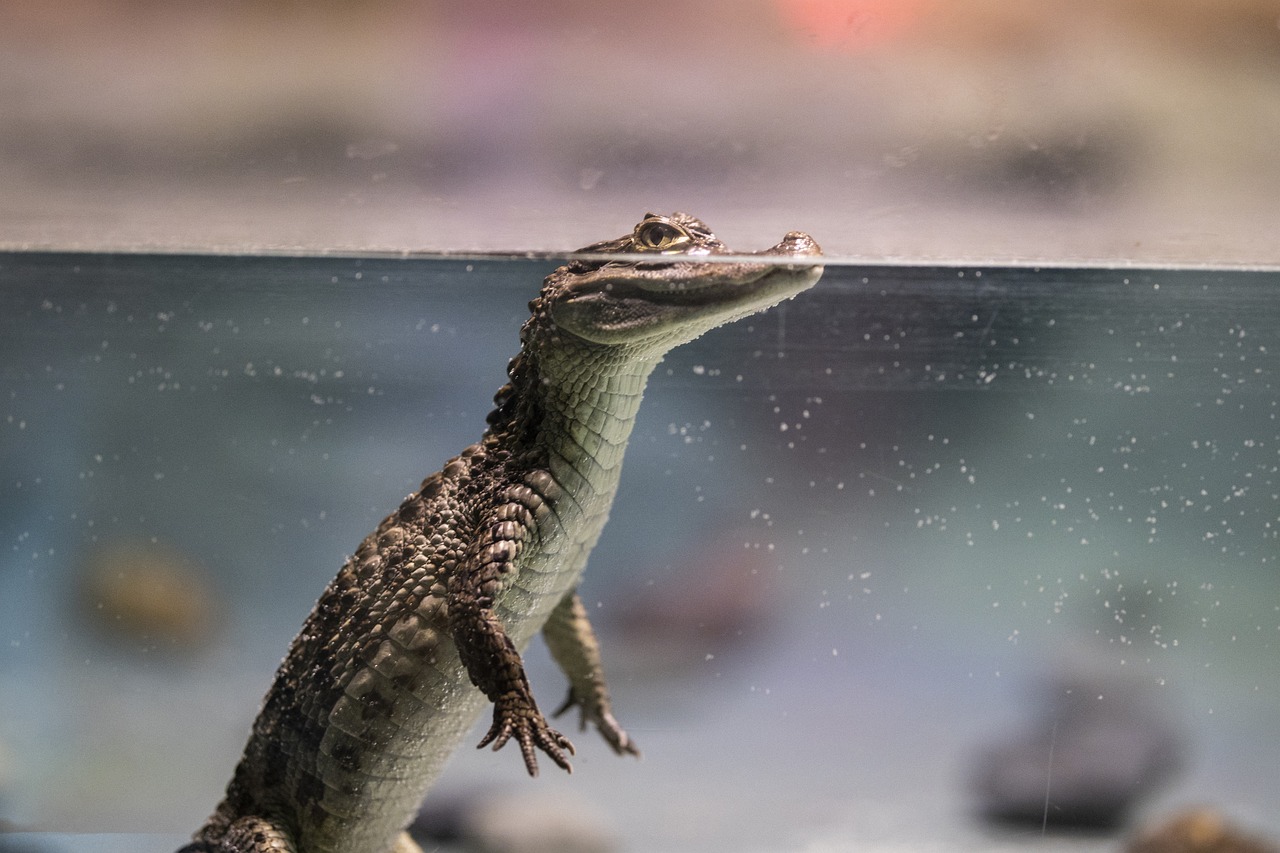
{"points": [[971, 547], [1090, 130]]}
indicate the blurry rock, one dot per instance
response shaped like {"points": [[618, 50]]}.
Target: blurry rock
{"points": [[714, 602], [142, 593], [1199, 830], [512, 821], [1098, 748]]}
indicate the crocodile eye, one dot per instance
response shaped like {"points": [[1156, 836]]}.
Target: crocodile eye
{"points": [[658, 236]]}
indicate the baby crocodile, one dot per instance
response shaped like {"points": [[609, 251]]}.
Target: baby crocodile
{"points": [[377, 688]]}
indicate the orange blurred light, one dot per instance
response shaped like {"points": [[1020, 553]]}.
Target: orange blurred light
{"points": [[850, 24]]}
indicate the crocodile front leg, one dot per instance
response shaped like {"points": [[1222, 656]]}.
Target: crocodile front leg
{"points": [[492, 660], [574, 647]]}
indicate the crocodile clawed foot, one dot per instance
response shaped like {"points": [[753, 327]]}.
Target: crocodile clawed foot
{"points": [[519, 718], [603, 720], [615, 735]]}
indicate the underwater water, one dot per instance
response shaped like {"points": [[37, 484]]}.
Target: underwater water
{"points": [[860, 539]]}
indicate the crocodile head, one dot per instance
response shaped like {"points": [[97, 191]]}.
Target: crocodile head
{"points": [[674, 286], [620, 305]]}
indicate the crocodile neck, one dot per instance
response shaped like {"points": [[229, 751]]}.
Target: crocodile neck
{"points": [[569, 407]]}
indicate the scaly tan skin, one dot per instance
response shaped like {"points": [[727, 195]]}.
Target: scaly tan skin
{"points": [[380, 684]]}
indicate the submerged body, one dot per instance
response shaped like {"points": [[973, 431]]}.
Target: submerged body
{"points": [[381, 682]]}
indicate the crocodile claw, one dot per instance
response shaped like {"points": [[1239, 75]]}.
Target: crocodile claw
{"points": [[514, 718]]}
